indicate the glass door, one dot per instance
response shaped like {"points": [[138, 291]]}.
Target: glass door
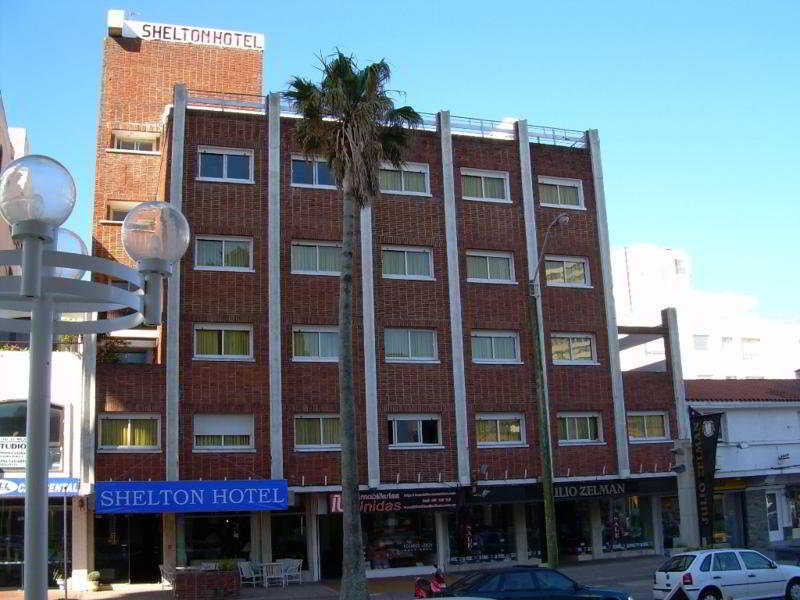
{"points": [[772, 517]]}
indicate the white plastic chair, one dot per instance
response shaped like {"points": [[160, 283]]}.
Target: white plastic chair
{"points": [[167, 577], [292, 569], [274, 572], [248, 575]]}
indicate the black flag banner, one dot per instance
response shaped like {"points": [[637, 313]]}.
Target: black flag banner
{"points": [[705, 435]]}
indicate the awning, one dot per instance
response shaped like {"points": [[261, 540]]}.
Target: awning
{"points": [[57, 487]]}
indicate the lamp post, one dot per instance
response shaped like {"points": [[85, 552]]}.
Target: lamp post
{"points": [[543, 403], [37, 194]]}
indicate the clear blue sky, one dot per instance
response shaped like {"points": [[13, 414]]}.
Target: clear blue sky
{"points": [[697, 103]]}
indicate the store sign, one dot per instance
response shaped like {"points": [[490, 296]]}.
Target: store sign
{"points": [[705, 435], [14, 448], [589, 490], [191, 496], [393, 500], [57, 487], [186, 34]]}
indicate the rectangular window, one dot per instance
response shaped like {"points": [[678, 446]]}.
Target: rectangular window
{"points": [[701, 342], [579, 428], [488, 186], [223, 253], [311, 172], [560, 192], [495, 347], [223, 433], [407, 262], [225, 164], [317, 432], [315, 343], [567, 271], [499, 429], [135, 141], [573, 348], [128, 432], [223, 341], [401, 345], [412, 179], [316, 258], [414, 431], [644, 426], [490, 267], [117, 210], [750, 347]]}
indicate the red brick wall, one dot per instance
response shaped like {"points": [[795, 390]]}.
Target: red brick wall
{"points": [[651, 391]]}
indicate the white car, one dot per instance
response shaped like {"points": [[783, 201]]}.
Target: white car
{"points": [[725, 573]]}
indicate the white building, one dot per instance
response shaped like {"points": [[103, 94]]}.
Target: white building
{"points": [[721, 335]]}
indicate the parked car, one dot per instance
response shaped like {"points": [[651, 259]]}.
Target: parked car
{"points": [[528, 583], [723, 573]]}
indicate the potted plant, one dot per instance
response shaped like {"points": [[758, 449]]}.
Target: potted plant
{"points": [[58, 576], [94, 580]]}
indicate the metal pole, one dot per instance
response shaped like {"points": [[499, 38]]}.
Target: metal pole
{"points": [[66, 576], [38, 434]]}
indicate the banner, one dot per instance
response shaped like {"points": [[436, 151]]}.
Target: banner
{"points": [[393, 500], [190, 496], [705, 435], [57, 487]]}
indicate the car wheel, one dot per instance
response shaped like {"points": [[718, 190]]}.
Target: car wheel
{"points": [[711, 594], [793, 590]]}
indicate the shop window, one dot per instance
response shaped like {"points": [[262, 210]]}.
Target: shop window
{"points": [[223, 433], [410, 345], [312, 172], [315, 344], [534, 527], [223, 253], [670, 520], [490, 267], [412, 179], [499, 429], [217, 537], [407, 262], [399, 539], [627, 523], [316, 432], [289, 536], [129, 432], [574, 527], [566, 271], [488, 186], [13, 427], [414, 431], [225, 164], [648, 426], [482, 533], [316, 258]]}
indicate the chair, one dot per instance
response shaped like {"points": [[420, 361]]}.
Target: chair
{"points": [[248, 575], [274, 572], [292, 569], [167, 576], [208, 566]]}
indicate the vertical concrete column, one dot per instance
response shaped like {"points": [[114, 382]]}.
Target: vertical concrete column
{"points": [[88, 417], [520, 533], [756, 528], [454, 292], [312, 504], [687, 500], [617, 393], [82, 544], [442, 540], [170, 539], [265, 536], [658, 530], [274, 284], [669, 319], [255, 534], [370, 358], [596, 521], [180, 540]]}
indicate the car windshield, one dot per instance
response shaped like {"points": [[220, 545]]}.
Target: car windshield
{"points": [[466, 581], [678, 563]]}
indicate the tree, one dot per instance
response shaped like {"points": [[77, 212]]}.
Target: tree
{"points": [[350, 119]]}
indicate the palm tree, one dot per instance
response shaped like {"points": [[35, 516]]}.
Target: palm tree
{"points": [[350, 119]]}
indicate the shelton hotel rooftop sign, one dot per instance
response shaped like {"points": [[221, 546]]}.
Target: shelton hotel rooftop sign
{"points": [[119, 26]]}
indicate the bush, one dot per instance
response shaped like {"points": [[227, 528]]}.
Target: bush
{"points": [[93, 576]]}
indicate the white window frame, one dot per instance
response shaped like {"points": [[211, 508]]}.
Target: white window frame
{"points": [[428, 251], [409, 359], [112, 205], [222, 327], [701, 339], [493, 254], [223, 239], [563, 181], [494, 334], [600, 441], [650, 440], [315, 176], [107, 416], [135, 136], [393, 418], [226, 152], [313, 329], [223, 449], [561, 334], [423, 168], [493, 174], [317, 244], [491, 416], [582, 259], [311, 447]]}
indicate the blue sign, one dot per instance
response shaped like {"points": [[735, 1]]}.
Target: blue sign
{"points": [[57, 487], [190, 496]]}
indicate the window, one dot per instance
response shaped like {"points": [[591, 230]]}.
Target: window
{"points": [[643, 426], [573, 348], [701, 342], [705, 566], [750, 347], [414, 430], [117, 210], [135, 141], [726, 561], [500, 429], [223, 342], [566, 271], [495, 347], [225, 164], [563, 193], [311, 172], [223, 433], [316, 258], [519, 581], [407, 262], [401, 345], [754, 560], [553, 580], [13, 424], [218, 253], [489, 186], [129, 432], [315, 344], [316, 432], [490, 267], [579, 428], [412, 179]]}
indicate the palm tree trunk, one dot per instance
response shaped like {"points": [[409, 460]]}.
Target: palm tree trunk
{"points": [[354, 580]]}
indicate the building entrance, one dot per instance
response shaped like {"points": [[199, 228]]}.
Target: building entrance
{"points": [[330, 546], [128, 547]]}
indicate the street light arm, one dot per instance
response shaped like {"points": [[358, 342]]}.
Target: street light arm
{"points": [[560, 219]]}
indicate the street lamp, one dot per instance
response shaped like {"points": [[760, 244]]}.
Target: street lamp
{"points": [[543, 403], [37, 194]]}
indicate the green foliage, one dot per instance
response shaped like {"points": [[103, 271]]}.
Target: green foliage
{"points": [[109, 348], [228, 564], [93, 576]]}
